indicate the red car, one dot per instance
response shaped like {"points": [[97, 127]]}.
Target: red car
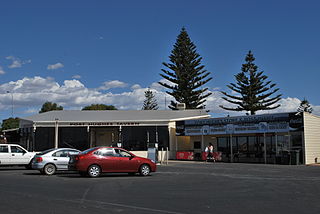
{"points": [[97, 160]]}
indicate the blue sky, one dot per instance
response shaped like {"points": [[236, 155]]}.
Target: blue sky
{"points": [[80, 52]]}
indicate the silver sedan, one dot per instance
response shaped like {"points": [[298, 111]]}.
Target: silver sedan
{"points": [[51, 160]]}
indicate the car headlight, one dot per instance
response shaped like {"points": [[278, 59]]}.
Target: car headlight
{"points": [[153, 161]]}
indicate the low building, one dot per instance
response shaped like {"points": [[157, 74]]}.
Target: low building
{"points": [[132, 130], [282, 138]]}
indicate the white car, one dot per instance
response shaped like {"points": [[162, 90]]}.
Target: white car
{"points": [[14, 154], [51, 160]]}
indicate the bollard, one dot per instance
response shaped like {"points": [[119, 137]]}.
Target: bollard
{"points": [[167, 158]]}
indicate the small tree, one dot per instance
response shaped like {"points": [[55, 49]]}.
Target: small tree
{"points": [[150, 102], [305, 106], [253, 88], [186, 74], [99, 107], [10, 123], [49, 106]]}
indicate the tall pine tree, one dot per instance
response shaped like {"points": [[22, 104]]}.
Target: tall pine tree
{"points": [[150, 102], [185, 74], [305, 106], [253, 89]]}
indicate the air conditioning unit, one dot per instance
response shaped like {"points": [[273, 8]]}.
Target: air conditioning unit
{"points": [[181, 106]]}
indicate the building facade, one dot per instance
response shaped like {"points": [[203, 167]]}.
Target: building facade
{"points": [[282, 138], [131, 130]]}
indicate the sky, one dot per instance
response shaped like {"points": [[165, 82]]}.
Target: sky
{"points": [[76, 53]]}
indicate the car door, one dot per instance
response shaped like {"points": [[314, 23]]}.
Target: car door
{"points": [[18, 155], [106, 159], [127, 162], [4, 155], [61, 159]]}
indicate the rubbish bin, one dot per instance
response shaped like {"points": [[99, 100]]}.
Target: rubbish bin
{"points": [[285, 157], [295, 160]]}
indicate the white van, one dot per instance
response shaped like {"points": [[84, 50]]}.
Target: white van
{"points": [[14, 154]]}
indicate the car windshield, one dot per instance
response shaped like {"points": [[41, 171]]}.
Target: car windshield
{"points": [[87, 151], [45, 152]]}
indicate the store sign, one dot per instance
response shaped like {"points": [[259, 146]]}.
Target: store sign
{"points": [[104, 124], [262, 127], [241, 119], [279, 122]]}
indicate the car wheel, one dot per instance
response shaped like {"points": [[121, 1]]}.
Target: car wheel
{"points": [[94, 171], [49, 169], [144, 170]]}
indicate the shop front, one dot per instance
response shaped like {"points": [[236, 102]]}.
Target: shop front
{"points": [[135, 131], [270, 138]]}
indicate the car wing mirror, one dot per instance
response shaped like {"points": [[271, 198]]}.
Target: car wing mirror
{"points": [[131, 157]]}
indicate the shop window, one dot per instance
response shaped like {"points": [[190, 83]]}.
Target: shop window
{"points": [[74, 137], [222, 143], [136, 138], [296, 140], [242, 144], [252, 141], [197, 145]]}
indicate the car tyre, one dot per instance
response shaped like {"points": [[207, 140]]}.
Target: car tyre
{"points": [[144, 170], [94, 171], [49, 169]]}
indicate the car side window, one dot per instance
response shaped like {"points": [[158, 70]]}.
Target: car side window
{"points": [[72, 152], [121, 153], [62, 153], [17, 149], [105, 152], [4, 149]]}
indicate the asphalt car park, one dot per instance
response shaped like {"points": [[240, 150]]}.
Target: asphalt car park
{"points": [[179, 187]]}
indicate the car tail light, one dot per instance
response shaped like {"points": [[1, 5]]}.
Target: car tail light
{"points": [[79, 157], [39, 159]]}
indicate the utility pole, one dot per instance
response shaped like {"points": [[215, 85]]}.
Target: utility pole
{"points": [[11, 103]]}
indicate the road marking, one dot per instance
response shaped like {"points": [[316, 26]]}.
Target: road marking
{"points": [[84, 195], [82, 200], [132, 207]]}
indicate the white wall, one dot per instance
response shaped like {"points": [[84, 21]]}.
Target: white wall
{"points": [[311, 137]]}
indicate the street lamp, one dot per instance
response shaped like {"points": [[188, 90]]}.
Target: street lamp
{"points": [[11, 103]]}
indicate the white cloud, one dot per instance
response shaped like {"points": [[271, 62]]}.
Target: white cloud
{"points": [[30, 93], [288, 104], [55, 66], [113, 84], [135, 86], [16, 62], [31, 111], [2, 71], [76, 76]]}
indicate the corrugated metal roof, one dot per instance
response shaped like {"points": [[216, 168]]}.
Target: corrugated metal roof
{"points": [[117, 115]]}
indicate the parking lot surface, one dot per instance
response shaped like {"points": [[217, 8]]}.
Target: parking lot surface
{"points": [[180, 187]]}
